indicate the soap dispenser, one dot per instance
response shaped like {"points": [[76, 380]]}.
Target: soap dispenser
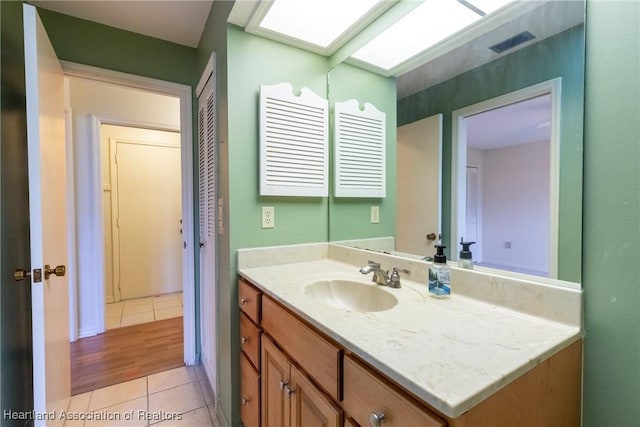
{"points": [[465, 260], [439, 275]]}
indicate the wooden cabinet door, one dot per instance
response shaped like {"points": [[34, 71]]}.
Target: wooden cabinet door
{"points": [[249, 394], [275, 377], [309, 407]]}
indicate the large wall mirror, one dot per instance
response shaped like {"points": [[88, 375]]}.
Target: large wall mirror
{"points": [[487, 146]]}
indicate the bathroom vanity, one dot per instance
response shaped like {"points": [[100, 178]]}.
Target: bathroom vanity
{"points": [[323, 345]]}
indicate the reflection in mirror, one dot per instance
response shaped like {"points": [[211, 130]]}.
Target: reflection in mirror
{"points": [[418, 183], [505, 179], [471, 75]]}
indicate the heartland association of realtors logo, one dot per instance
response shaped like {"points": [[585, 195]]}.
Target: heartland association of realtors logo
{"points": [[103, 415]]}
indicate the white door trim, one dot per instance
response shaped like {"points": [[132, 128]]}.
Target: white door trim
{"points": [[459, 161], [184, 93]]}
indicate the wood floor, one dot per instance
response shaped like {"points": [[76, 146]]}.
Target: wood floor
{"points": [[126, 353]]}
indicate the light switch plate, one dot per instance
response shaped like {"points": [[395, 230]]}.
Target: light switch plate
{"points": [[375, 214], [268, 217]]}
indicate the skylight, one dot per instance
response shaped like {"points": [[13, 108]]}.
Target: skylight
{"points": [[319, 22], [425, 26]]}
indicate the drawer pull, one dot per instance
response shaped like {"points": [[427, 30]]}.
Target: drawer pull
{"points": [[243, 301], [376, 419], [243, 340], [245, 401]]}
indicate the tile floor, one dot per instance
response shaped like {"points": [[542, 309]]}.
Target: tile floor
{"points": [[178, 397], [142, 310]]}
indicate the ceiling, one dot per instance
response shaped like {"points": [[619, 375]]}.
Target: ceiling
{"points": [[183, 22], [549, 19], [519, 123], [180, 22]]}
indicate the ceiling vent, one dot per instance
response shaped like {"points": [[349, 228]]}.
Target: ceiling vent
{"points": [[512, 42]]}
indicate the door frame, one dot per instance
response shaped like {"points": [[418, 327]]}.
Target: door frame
{"points": [[184, 93], [459, 161]]}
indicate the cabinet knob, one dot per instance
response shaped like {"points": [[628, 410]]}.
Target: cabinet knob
{"points": [[243, 301], [245, 401], [243, 340], [283, 384], [289, 391], [376, 419]]}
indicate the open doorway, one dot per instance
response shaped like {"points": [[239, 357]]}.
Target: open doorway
{"points": [[126, 129], [508, 209], [505, 180]]}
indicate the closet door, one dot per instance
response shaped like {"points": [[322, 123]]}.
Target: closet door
{"points": [[207, 166], [146, 194]]}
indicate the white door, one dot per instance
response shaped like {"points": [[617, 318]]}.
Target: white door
{"points": [[473, 229], [418, 186], [146, 207], [48, 218], [209, 226]]}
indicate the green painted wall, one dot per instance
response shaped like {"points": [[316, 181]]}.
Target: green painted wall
{"points": [[611, 257], [90, 43], [254, 61], [349, 218], [558, 56]]}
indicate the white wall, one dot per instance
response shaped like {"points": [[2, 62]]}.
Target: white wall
{"points": [[516, 206], [113, 104], [475, 157]]}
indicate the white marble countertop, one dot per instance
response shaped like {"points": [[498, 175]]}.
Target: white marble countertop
{"points": [[452, 353]]}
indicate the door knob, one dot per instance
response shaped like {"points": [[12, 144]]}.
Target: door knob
{"points": [[59, 270], [21, 274]]}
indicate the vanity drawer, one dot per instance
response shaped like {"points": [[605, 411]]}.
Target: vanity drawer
{"points": [[249, 394], [250, 340], [318, 357], [249, 300], [366, 393]]}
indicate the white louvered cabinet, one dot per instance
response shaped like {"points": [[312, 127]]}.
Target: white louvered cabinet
{"points": [[207, 195], [360, 150], [293, 142]]}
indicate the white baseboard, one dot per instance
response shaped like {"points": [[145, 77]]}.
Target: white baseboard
{"points": [[87, 332]]}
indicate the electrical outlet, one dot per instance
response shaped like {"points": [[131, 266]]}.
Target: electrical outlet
{"points": [[268, 217], [375, 214]]}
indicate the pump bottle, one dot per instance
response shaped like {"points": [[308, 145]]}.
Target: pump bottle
{"points": [[439, 275], [465, 259]]}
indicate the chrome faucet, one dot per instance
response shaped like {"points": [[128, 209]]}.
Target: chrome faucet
{"points": [[382, 277]]}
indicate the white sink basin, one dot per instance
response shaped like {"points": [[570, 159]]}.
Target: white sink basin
{"points": [[351, 296]]}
